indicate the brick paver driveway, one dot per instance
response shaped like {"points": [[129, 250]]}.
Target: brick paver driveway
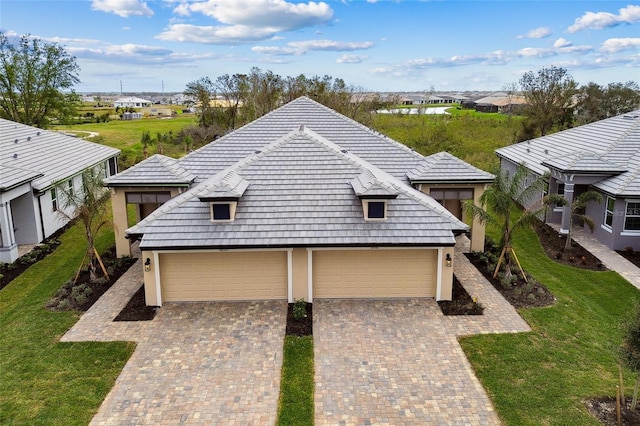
{"points": [[195, 363]]}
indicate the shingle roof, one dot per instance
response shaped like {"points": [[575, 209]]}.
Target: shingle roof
{"points": [[612, 143], [299, 194], [157, 170], [54, 155], [444, 167]]}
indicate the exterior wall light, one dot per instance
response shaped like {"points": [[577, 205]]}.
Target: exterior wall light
{"points": [[147, 265], [447, 260]]}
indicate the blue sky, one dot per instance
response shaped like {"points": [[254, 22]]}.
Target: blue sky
{"points": [[374, 45]]}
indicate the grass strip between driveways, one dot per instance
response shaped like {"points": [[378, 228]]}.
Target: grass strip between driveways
{"points": [[543, 377], [43, 381], [297, 382]]}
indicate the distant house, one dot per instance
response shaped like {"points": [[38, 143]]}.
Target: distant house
{"points": [[33, 163], [603, 156], [132, 102], [300, 203], [500, 102]]}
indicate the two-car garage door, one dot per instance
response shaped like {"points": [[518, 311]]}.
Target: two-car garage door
{"points": [[250, 275], [374, 273], [261, 275]]}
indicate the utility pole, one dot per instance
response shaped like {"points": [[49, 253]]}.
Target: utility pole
{"points": [[120, 87]]}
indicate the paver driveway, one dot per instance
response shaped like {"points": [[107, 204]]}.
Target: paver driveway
{"points": [[195, 363]]}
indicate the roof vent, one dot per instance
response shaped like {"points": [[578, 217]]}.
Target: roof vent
{"points": [[344, 151], [28, 138], [16, 141], [257, 152], [15, 155], [38, 134], [630, 117], [528, 150], [546, 151], [302, 127]]}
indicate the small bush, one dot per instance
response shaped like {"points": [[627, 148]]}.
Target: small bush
{"points": [[299, 309]]}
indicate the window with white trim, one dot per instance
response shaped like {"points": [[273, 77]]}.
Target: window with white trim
{"points": [[374, 209], [54, 199], [608, 212], [223, 211], [632, 216]]}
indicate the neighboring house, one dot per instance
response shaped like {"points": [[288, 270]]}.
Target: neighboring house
{"points": [[603, 156], [301, 203], [132, 102], [33, 162]]}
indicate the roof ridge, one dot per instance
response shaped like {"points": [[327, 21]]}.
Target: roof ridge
{"points": [[624, 135]]}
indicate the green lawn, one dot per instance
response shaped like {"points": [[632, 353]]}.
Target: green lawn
{"points": [[542, 377], [296, 387], [43, 381]]}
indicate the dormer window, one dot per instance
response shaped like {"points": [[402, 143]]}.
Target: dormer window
{"points": [[375, 209], [223, 211]]}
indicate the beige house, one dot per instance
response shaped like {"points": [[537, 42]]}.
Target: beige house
{"points": [[301, 203]]}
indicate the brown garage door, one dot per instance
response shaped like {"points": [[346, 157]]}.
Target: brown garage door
{"points": [[223, 276], [374, 273]]}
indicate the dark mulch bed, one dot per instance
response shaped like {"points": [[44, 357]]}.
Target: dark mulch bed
{"points": [[300, 327], [604, 409], [82, 294], [553, 243], [461, 303], [137, 309]]}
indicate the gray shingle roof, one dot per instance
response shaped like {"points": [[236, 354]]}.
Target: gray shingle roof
{"points": [[367, 185], [54, 155], [299, 194], [230, 187], [444, 167], [157, 170], [610, 143]]}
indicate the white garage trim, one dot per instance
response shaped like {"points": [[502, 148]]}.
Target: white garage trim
{"points": [[290, 275], [439, 275], [156, 269], [310, 275]]}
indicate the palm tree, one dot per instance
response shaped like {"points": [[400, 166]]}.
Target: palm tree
{"points": [[501, 206], [88, 206], [577, 209]]}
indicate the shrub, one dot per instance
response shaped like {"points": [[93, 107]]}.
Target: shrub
{"points": [[299, 309]]}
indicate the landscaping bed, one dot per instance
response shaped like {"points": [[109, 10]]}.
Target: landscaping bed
{"points": [[137, 309], [10, 271], [553, 244], [299, 325], [461, 303], [81, 294], [604, 409]]}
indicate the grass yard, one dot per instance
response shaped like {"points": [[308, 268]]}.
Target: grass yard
{"points": [[543, 377], [43, 381], [296, 387]]}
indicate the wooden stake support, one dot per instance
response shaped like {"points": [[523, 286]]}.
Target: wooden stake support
{"points": [[511, 251]]}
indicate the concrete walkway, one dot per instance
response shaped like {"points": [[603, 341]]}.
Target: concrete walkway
{"points": [[608, 257]]}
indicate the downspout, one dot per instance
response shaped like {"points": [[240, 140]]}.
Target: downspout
{"points": [[41, 218]]}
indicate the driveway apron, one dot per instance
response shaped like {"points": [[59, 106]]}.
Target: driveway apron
{"points": [[195, 363]]}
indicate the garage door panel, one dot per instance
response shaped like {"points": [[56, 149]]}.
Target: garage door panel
{"points": [[223, 276], [374, 273]]}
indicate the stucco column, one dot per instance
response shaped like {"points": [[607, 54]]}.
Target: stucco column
{"points": [[120, 222], [566, 210], [8, 239]]}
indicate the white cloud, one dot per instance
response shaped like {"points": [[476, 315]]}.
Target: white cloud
{"points": [[126, 28], [246, 20], [561, 42], [613, 45], [601, 20], [351, 59], [123, 8], [540, 32], [302, 47], [136, 54]]}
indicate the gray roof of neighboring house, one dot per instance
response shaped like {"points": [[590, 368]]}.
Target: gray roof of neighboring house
{"points": [[11, 177], [444, 167], [611, 145], [54, 155], [299, 193], [157, 170]]}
